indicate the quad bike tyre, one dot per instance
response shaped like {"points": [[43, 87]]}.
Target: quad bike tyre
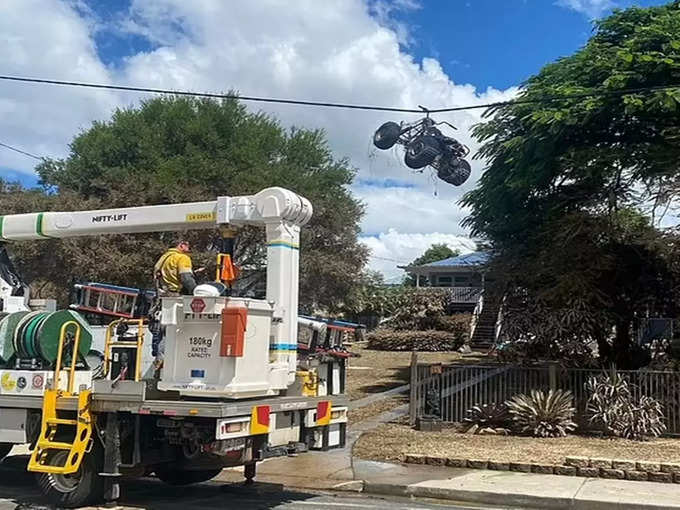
{"points": [[5, 449], [387, 135], [421, 152], [456, 171], [173, 476], [84, 487]]}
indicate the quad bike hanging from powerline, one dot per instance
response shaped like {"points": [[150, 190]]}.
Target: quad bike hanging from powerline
{"points": [[425, 145]]}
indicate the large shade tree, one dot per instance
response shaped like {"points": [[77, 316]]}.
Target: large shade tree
{"points": [[435, 253], [172, 149], [575, 187]]}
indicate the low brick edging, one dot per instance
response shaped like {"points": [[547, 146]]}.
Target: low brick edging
{"points": [[615, 469]]}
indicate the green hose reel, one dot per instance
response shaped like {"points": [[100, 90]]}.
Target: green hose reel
{"points": [[35, 335]]}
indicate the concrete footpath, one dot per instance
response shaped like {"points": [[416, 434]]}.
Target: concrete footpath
{"points": [[332, 471]]}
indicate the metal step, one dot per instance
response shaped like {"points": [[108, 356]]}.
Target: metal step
{"points": [[61, 421], [50, 445]]}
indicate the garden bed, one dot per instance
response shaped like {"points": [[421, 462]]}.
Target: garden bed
{"points": [[371, 411], [392, 442]]}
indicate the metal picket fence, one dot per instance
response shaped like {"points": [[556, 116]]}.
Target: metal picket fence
{"points": [[450, 390]]}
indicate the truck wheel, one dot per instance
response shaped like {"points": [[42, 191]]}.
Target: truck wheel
{"points": [[386, 135], [83, 487], [5, 449], [421, 152], [185, 477]]}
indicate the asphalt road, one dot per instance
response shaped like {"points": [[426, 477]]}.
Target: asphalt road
{"points": [[19, 492]]}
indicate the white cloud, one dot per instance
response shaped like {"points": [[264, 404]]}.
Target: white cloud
{"points": [[385, 11], [44, 38], [409, 210], [332, 50], [591, 8], [392, 248]]}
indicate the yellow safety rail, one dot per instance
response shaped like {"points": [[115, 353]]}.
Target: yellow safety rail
{"points": [[66, 456], [110, 344]]}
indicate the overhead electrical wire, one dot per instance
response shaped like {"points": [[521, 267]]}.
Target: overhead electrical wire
{"points": [[20, 151], [388, 259], [324, 104]]}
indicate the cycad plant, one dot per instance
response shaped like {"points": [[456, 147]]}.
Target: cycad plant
{"points": [[543, 414], [488, 416]]}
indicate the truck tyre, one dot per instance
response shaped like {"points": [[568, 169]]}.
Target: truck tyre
{"points": [[82, 488], [185, 477], [386, 135], [5, 449], [421, 152]]}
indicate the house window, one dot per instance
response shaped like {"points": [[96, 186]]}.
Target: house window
{"points": [[462, 281], [444, 281]]}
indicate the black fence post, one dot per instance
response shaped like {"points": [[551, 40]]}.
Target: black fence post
{"points": [[413, 404]]}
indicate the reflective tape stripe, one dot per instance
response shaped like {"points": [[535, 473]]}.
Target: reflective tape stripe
{"points": [[283, 244], [283, 347], [39, 225]]}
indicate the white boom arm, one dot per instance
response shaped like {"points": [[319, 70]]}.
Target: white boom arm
{"points": [[271, 205], [280, 211]]}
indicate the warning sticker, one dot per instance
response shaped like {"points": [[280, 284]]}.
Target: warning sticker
{"points": [[7, 382], [200, 217]]}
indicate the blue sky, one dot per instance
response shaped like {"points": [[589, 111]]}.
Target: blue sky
{"points": [[498, 43], [390, 52]]}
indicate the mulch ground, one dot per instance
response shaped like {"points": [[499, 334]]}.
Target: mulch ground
{"points": [[388, 369], [390, 442], [375, 409]]}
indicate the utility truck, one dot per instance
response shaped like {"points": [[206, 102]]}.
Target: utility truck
{"points": [[232, 390]]}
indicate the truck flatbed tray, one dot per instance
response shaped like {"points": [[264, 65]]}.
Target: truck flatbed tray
{"points": [[136, 398]]}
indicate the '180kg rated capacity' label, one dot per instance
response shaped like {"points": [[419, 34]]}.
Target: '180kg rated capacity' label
{"points": [[199, 347]]}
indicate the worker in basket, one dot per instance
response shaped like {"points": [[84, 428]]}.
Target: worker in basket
{"points": [[173, 276]]}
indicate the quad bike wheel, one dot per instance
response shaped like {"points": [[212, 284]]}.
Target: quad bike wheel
{"points": [[387, 135], [173, 476], [456, 171], [421, 152], [81, 488]]}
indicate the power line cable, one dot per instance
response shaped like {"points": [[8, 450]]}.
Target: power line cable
{"points": [[388, 259], [562, 97], [20, 151], [545, 99], [208, 94]]}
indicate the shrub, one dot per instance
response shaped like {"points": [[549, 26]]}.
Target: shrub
{"points": [[391, 340], [573, 352], [612, 409], [488, 416], [458, 323], [541, 414], [643, 419], [418, 309]]}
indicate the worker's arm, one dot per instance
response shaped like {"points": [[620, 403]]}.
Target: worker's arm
{"points": [[188, 282], [186, 274]]}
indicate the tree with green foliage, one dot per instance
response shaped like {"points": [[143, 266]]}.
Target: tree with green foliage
{"points": [[574, 186], [434, 253], [176, 149]]}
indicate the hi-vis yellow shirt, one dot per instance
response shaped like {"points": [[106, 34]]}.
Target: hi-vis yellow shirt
{"points": [[169, 268]]}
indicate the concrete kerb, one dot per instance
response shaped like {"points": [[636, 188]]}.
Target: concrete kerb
{"points": [[467, 496], [592, 499]]}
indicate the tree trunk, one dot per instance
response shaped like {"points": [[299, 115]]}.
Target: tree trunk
{"points": [[604, 348], [622, 348]]}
